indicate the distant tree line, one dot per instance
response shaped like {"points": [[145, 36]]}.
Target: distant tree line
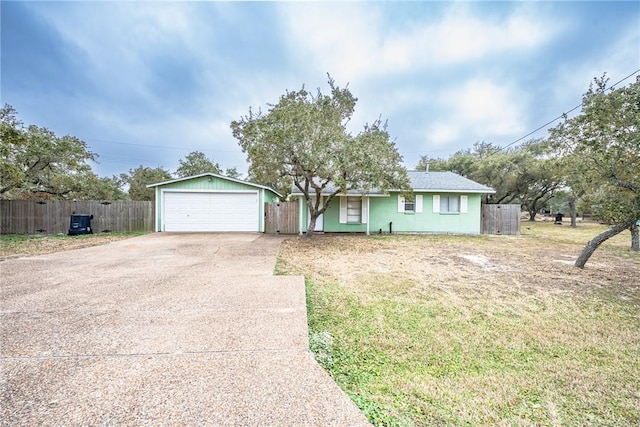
{"points": [[591, 162], [35, 163]]}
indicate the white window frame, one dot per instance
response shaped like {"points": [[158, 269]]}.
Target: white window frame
{"points": [[445, 204], [351, 202], [417, 204], [409, 205], [344, 212], [463, 204]]}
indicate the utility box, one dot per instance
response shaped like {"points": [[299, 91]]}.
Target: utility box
{"points": [[80, 224]]}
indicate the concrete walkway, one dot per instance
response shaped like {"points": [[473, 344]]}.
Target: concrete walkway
{"points": [[163, 329]]}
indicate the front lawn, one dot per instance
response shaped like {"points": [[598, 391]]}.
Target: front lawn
{"points": [[476, 330]]}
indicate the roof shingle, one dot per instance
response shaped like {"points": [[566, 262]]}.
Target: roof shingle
{"points": [[446, 182]]}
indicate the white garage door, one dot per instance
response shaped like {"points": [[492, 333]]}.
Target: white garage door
{"points": [[210, 211]]}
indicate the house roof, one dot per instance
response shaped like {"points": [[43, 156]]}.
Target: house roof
{"points": [[445, 182], [215, 175], [432, 182]]}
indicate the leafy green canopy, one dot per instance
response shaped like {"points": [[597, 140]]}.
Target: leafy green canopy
{"points": [[33, 160], [140, 177], [602, 144], [302, 141], [528, 174], [196, 163]]}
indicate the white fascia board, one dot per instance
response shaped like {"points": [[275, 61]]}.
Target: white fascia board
{"points": [[416, 190], [215, 175], [345, 195]]}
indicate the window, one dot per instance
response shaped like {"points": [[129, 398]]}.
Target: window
{"points": [[409, 206], [354, 210], [449, 204]]}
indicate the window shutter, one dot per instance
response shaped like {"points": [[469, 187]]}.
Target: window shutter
{"points": [[365, 210], [343, 210], [419, 203], [436, 203], [400, 203], [463, 204]]}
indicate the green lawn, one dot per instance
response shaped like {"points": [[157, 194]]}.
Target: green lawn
{"points": [[477, 330]]}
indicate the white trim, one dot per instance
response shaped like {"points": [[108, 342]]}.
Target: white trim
{"points": [[464, 208], [163, 192], [343, 210], [177, 190], [159, 199], [364, 214], [435, 190], [436, 203], [301, 211], [261, 210], [368, 216], [215, 175], [298, 194], [418, 203]]}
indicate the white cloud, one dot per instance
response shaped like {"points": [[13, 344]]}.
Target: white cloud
{"points": [[354, 40], [442, 133], [479, 109], [488, 108]]}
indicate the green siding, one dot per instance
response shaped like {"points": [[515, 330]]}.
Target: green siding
{"points": [[211, 183], [332, 220], [270, 196], [208, 183], [383, 210]]}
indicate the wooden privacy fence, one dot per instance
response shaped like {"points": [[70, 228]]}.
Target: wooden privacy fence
{"points": [[281, 218], [52, 217], [501, 219]]}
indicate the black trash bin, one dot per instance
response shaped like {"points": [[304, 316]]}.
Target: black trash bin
{"points": [[558, 219], [80, 224]]}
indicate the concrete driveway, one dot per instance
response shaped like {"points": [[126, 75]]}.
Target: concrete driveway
{"points": [[163, 329]]}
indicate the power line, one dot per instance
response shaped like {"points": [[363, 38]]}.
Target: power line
{"points": [[563, 114], [152, 146]]}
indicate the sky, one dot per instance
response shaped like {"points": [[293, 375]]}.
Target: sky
{"points": [[146, 83]]}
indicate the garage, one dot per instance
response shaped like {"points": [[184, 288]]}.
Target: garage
{"points": [[196, 211], [210, 203]]}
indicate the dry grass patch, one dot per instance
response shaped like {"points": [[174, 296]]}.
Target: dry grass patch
{"points": [[479, 330], [12, 245]]}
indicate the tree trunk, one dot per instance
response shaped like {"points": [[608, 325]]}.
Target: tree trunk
{"points": [[593, 244], [572, 211], [532, 215], [312, 226], [635, 237]]}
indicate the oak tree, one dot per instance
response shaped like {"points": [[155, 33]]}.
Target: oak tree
{"points": [[302, 141], [604, 141], [196, 163], [34, 160], [140, 177]]}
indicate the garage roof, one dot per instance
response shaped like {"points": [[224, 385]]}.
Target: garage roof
{"points": [[186, 178]]}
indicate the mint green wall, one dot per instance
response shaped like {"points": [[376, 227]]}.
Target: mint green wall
{"points": [[270, 196], [383, 210], [210, 183], [332, 220]]}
